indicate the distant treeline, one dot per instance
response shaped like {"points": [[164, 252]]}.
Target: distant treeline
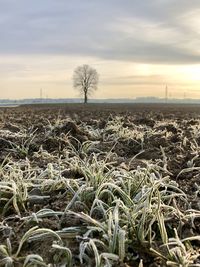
{"points": [[111, 100]]}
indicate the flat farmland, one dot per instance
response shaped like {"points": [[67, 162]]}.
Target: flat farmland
{"points": [[100, 185]]}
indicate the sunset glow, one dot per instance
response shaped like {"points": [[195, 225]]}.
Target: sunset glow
{"points": [[135, 47]]}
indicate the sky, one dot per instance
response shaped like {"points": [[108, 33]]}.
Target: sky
{"points": [[137, 47]]}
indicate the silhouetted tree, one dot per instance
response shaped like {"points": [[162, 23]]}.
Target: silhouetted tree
{"points": [[85, 79]]}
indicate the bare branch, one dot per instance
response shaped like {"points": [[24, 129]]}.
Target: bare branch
{"points": [[85, 79]]}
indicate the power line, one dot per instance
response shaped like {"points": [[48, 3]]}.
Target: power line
{"points": [[41, 93], [166, 94]]}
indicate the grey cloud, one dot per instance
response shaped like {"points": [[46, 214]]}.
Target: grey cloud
{"points": [[85, 27]]}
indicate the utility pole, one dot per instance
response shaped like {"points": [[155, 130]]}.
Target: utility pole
{"points": [[166, 94], [41, 93]]}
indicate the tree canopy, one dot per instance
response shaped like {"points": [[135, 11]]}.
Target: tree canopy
{"points": [[85, 79]]}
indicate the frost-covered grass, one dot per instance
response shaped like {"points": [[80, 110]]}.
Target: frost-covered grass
{"points": [[110, 215]]}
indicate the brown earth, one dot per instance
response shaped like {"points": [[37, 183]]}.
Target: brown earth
{"points": [[169, 132]]}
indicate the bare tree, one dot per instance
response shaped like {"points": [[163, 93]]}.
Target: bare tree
{"points": [[86, 80]]}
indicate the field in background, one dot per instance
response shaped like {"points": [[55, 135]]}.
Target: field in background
{"points": [[100, 185]]}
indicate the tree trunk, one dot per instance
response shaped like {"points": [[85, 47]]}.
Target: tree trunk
{"points": [[85, 98]]}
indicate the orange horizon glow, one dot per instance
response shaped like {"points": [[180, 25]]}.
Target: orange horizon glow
{"points": [[24, 76]]}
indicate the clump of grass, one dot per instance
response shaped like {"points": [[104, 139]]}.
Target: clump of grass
{"points": [[111, 210]]}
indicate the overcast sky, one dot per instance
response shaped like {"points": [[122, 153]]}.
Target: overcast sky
{"points": [[136, 46]]}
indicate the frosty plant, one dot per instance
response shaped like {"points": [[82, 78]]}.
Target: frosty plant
{"points": [[92, 204]]}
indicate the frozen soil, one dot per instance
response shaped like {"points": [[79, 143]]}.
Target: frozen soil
{"points": [[38, 144]]}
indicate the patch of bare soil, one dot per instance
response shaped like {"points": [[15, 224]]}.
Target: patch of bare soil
{"points": [[45, 138]]}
